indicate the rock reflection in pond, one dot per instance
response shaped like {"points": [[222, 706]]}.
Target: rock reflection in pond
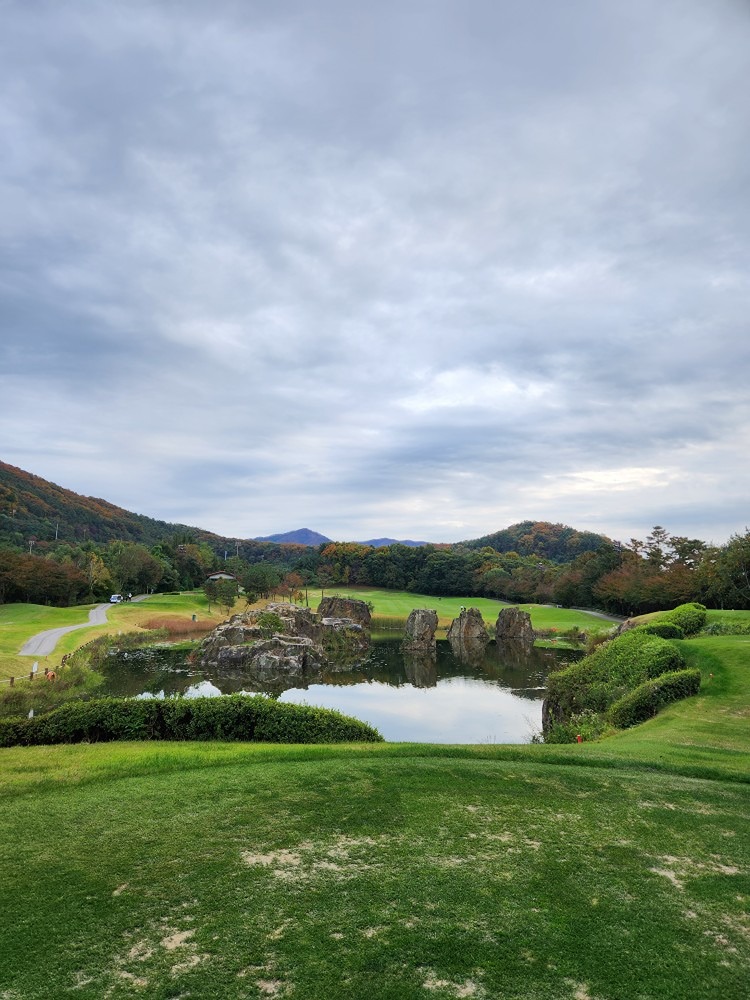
{"points": [[470, 651], [421, 668]]}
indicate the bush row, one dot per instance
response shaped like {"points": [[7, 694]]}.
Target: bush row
{"points": [[611, 671], [231, 717], [646, 700]]}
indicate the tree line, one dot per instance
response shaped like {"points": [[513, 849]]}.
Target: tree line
{"points": [[632, 578]]}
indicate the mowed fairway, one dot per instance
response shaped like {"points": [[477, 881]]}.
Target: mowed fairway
{"points": [[400, 603], [18, 622], [613, 871]]}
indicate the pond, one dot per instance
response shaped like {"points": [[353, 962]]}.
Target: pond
{"points": [[494, 696]]}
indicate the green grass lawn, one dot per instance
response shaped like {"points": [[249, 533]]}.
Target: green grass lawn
{"points": [[18, 622], [399, 604], [612, 871]]}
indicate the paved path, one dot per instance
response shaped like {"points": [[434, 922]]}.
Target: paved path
{"points": [[600, 614], [44, 642]]}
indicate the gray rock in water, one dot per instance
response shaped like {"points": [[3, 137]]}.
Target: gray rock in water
{"points": [[273, 659], [344, 607], [469, 629], [341, 624], [514, 625], [420, 630], [297, 621]]}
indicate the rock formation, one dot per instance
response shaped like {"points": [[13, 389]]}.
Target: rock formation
{"points": [[469, 628], [270, 661], [344, 607], [420, 630], [514, 625], [283, 641]]}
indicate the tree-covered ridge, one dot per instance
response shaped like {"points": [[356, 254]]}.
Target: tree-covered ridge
{"points": [[557, 542], [35, 510]]}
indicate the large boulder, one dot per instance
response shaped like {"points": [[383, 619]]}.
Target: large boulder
{"points": [[343, 638], [420, 630], [296, 620], [469, 628], [514, 625], [344, 607]]}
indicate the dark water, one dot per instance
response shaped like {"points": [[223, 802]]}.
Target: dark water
{"points": [[491, 696]]}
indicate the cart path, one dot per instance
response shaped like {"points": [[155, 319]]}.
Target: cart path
{"points": [[44, 643]]}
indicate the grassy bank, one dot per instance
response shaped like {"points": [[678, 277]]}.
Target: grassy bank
{"points": [[19, 622], [614, 870], [398, 604]]}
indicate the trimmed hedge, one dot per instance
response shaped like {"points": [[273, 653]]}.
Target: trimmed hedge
{"points": [[646, 700], [665, 630], [689, 617], [231, 717], [611, 671]]}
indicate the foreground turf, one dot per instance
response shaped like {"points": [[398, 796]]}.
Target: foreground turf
{"points": [[247, 872]]}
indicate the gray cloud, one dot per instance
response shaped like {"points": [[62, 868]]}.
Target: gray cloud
{"points": [[418, 269]]}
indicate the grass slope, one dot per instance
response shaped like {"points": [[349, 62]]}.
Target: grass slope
{"points": [[399, 604], [613, 871], [18, 622]]}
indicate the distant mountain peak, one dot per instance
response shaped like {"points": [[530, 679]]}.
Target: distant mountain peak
{"points": [[302, 536]]}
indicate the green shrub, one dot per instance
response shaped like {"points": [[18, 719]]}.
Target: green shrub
{"points": [[726, 628], [231, 717], [664, 629], [270, 624], [646, 700], [610, 672], [689, 617]]}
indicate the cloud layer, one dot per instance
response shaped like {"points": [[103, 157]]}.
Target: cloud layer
{"points": [[417, 269]]}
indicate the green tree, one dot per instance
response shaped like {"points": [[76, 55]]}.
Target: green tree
{"points": [[261, 578]]}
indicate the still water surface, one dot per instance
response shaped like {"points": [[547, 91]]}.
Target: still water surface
{"points": [[494, 696]]}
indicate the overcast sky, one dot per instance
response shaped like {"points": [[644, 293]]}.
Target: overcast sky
{"points": [[419, 268]]}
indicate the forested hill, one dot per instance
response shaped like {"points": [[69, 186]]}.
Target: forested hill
{"points": [[31, 508], [556, 542]]}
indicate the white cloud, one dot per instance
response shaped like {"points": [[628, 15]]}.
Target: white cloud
{"points": [[264, 267]]}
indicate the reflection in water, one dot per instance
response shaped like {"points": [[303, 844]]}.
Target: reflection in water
{"points": [[421, 668], [451, 696]]}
